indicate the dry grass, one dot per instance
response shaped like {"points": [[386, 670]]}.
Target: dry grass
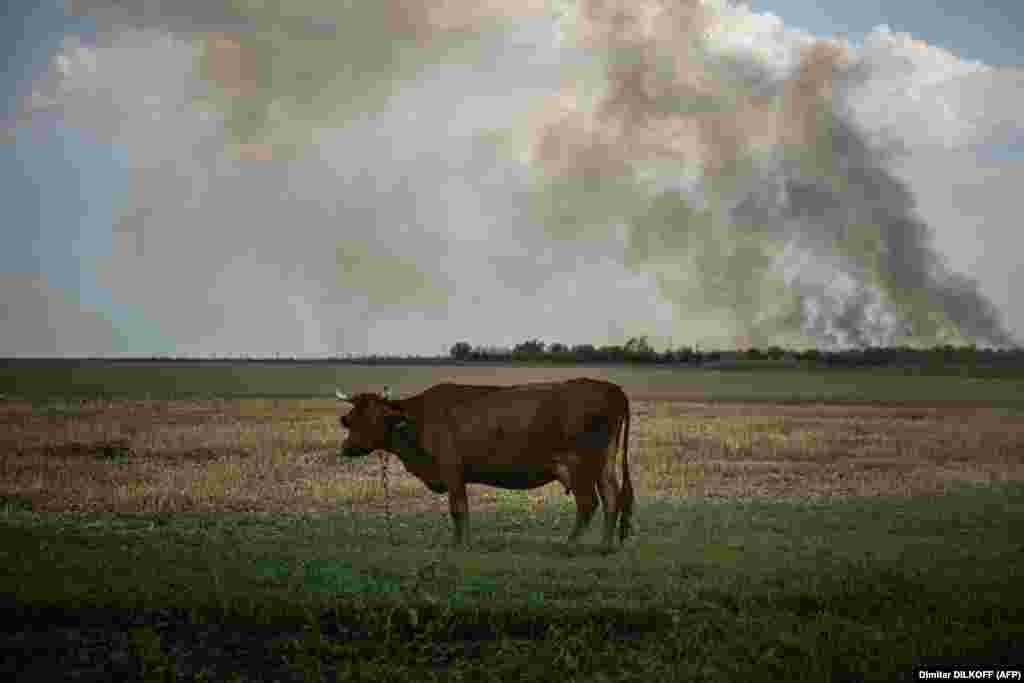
{"points": [[278, 454], [821, 450]]}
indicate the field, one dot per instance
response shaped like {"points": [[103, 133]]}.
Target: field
{"points": [[195, 523]]}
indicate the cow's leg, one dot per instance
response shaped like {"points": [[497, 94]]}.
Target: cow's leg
{"points": [[586, 503], [608, 488], [459, 506], [563, 475]]}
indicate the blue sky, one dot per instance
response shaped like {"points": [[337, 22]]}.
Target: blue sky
{"points": [[68, 178], [62, 184], [989, 31]]}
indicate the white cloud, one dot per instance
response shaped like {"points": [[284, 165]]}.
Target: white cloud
{"points": [[739, 31], [924, 95], [913, 92]]}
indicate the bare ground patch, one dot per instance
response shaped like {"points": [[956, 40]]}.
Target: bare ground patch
{"points": [[279, 454]]}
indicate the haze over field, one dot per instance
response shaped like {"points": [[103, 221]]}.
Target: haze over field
{"points": [[315, 177]]}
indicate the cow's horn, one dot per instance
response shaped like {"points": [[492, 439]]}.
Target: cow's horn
{"points": [[386, 393], [341, 396]]}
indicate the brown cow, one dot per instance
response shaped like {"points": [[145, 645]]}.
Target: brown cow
{"points": [[515, 437]]}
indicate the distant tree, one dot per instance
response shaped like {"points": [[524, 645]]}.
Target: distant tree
{"points": [[684, 354], [461, 351], [530, 350], [491, 353], [874, 355], [775, 352], [753, 353], [584, 352], [558, 348], [611, 354], [531, 347], [637, 348], [903, 354], [637, 345], [812, 355]]}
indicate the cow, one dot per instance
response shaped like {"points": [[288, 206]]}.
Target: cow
{"points": [[519, 437]]}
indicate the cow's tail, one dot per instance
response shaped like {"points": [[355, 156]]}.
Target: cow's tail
{"points": [[626, 517]]}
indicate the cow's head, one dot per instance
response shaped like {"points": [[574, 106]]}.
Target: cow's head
{"points": [[375, 422]]}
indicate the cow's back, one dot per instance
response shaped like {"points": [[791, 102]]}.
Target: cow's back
{"points": [[539, 416]]}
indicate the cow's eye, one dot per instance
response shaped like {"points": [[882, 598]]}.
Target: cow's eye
{"points": [[344, 421]]}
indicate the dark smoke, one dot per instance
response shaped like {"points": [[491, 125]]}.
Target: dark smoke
{"points": [[782, 170]]}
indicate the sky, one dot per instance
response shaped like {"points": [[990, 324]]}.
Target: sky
{"points": [[312, 177]]}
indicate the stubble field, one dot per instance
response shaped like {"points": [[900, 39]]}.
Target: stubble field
{"points": [[280, 455]]}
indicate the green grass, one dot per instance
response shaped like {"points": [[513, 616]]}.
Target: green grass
{"points": [[713, 590], [64, 380]]}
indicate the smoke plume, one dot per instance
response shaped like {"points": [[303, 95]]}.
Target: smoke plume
{"points": [[316, 176], [723, 171]]}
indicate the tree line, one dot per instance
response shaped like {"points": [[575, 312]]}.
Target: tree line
{"points": [[638, 350], [635, 350]]}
